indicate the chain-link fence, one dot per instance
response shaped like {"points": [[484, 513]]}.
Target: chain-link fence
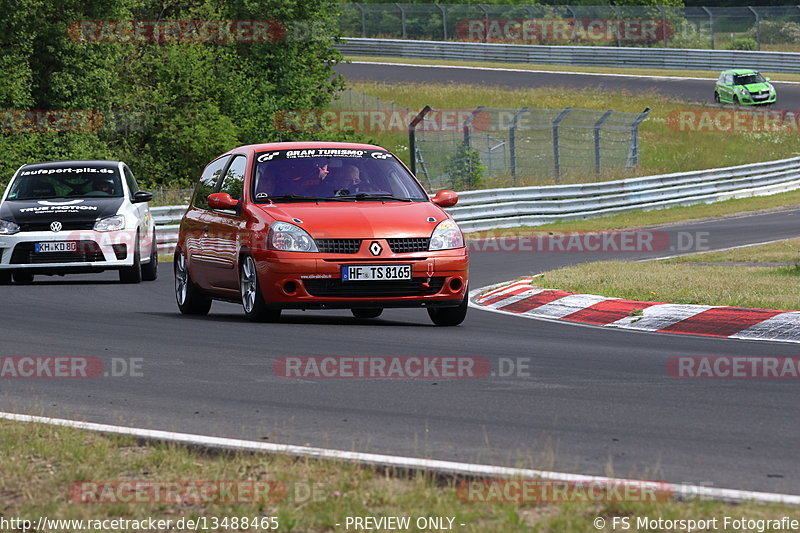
{"points": [[514, 147], [741, 28]]}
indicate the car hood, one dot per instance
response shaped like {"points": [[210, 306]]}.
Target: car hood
{"points": [[757, 87], [360, 220], [61, 209]]}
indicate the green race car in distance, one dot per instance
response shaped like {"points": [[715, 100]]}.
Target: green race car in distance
{"points": [[744, 87]]}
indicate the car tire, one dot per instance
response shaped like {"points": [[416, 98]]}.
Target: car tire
{"points": [[449, 316], [5, 278], [369, 312], [255, 308], [23, 278], [150, 270], [716, 97], [191, 301], [133, 273]]}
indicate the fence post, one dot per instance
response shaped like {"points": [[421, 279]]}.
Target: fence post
{"points": [[616, 20], [512, 143], [444, 20], [597, 126], [485, 22], [633, 153], [363, 11], [710, 24], [663, 24], [412, 137], [574, 23], [758, 26], [468, 124], [556, 154], [402, 19]]}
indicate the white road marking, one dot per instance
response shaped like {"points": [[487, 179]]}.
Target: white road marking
{"points": [[679, 491]]}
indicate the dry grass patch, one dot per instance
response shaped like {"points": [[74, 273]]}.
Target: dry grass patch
{"points": [[39, 464]]}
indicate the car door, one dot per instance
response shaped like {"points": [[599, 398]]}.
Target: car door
{"points": [[225, 227], [727, 89], [142, 211], [195, 225]]}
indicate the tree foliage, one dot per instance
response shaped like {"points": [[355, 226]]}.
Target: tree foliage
{"points": [[167, 107]]}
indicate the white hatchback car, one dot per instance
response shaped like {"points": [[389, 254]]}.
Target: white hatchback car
{"points": [[70, 217]]}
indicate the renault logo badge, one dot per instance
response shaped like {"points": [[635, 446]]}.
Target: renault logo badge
{"points": [[375, 248]]}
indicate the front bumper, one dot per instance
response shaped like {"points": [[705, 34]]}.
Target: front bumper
{"points": [[96, 251], [314, 281], [747, 99]]}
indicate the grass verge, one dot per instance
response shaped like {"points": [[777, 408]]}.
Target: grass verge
{"points": [[710, 74], [39, 465], [755, 276], [666, 146]]}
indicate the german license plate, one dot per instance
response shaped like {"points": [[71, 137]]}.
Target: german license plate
{"points": [[375, 272], [65, 246]]}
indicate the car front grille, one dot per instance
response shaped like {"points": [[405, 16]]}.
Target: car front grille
{"points": [[65, 226], [24, 254], [409, 245], [336, 288], [338, 246]]}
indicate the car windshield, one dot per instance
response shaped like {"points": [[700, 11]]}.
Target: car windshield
{"points": [[747, 79], [333, 175], [65, 182]]}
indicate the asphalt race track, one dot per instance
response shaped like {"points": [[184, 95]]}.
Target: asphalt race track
{"points": [[594, 397], [688, 90]]}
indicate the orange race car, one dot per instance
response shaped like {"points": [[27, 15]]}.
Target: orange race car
{"points": [[319, 225]]}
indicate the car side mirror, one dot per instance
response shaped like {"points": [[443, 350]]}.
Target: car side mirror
{"points": [[139, 197], [766, 79], [222, 201], [445, 199]]}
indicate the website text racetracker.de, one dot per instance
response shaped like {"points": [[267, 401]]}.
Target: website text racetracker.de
{"points": [[68, 367], [602, 241], [199, 523], [399, 367]]}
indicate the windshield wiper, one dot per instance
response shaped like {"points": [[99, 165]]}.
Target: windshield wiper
{"points": [[367, 196], [300, 198]]}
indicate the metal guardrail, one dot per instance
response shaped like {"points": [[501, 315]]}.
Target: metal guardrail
{"points": [[598, 56], [532, 206]]}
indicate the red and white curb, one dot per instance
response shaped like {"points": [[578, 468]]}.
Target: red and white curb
{"points": [[521, 298]]}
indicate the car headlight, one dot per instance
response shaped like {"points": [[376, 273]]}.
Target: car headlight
{"points": [[8, 228], [446, 236], [290, 238], [115, 223]]}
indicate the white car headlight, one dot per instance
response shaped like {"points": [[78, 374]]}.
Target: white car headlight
{"points": [[8, 228], [446, 236], [115, 223], [290, 238]]}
